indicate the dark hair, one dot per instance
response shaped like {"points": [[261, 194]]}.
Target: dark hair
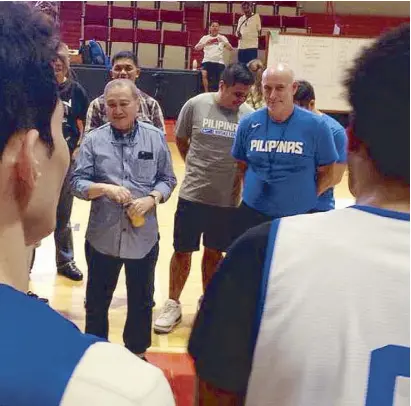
{"points": [[125, 55], [244, 3], [305, 93], [28, 88], [379, 92], [50, 8], [237, 73], [214, 22]]}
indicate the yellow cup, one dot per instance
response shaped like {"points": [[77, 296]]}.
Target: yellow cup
{"points": [[137, 221]]}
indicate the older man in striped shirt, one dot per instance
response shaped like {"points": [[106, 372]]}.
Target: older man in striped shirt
{"points": [[125, 169]]}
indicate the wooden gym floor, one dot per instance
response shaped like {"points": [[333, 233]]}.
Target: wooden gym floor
{"points": [[67, 297]]}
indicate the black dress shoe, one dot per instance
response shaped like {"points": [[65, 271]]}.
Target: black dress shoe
{"points": [[142, 357], [70, 271], [34, 296]]}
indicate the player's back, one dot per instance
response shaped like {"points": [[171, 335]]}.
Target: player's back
{"points": [[335, 322], [47, 361]]}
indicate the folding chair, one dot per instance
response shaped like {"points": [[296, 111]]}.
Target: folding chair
{"points": [[224, 19], [147, 14], [173, 17], [149, 37], [95, 24], [297, 22], [271, 21], [176, 39], [288, 4], [123, 34]]}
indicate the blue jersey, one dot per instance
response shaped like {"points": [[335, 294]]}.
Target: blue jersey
{"points": [[47, 361], [326, 201], [282, 160], [39, 351]]}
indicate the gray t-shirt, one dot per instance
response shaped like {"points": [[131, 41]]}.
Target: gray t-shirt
{"points": [[210, 167]]}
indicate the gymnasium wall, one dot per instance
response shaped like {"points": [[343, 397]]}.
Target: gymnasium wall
{"points": [[369, 8], [362, 18]]}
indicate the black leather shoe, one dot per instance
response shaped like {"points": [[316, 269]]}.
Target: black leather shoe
{"points": [[34, 296], [142, 357], [70, 271]]}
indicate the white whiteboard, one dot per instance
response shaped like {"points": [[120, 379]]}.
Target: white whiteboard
{"points": [[323, 61]]}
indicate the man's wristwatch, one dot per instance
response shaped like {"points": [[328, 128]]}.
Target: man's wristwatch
{"points": [[155, 197]]}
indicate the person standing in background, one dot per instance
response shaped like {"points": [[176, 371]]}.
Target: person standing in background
{"points": [[248, 32], [211, 188], [305, 98], [213, 61], [286, 153], [75, 103], [256, 98], [124, 167], [45, 359], [125, 66], [314, 310]]}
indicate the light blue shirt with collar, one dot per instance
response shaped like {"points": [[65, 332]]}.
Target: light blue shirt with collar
{"points": [[141, 162]]}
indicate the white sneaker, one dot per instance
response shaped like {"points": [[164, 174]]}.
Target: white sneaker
{"points": [[169, 317]]}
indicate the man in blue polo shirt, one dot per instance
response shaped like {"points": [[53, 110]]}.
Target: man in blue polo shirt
{"points": [[282, 322], [287, 154], [305, 98]]}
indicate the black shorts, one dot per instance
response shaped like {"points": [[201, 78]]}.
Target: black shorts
{"points": [[214, 71], [193, 220]]}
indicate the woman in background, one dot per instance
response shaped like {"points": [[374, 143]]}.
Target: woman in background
{"points": [[75, 103], [255, 97]]}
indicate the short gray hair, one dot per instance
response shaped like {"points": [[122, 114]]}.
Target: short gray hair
{"points": [[121, 83]]}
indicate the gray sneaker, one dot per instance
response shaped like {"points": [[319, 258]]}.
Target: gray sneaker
{"points": [[170, 316]]}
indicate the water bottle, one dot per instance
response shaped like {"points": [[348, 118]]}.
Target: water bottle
{"points": [[195, 64]]}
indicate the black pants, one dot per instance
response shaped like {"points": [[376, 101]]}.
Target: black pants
{"points": [[103, 273], [246, 218], [247, 55], [63, 236]]}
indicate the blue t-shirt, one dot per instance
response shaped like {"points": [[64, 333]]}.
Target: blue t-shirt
{"points": [[282, 160], [326, 201], [39, 350]]}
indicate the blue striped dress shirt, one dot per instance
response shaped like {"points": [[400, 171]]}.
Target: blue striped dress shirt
{"points": [[141, 162]]}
